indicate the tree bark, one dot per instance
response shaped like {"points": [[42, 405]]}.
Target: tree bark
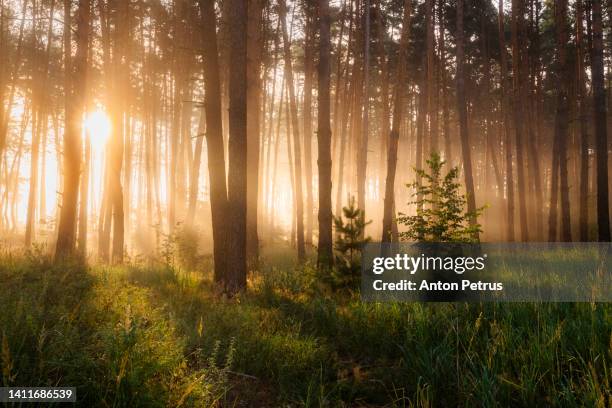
{"points": [[398, 109], [307, 118], [559, 168], [237, 177], [254, 51], [518, 93], [296, 134], [72, 134], [362, 155], [601, 132], [214, 141], [325, 254], [582, 117], [506, 128], [463, 125]]}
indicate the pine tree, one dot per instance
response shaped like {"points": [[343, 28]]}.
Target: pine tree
{"points": [[349, 244], [441, 215]]}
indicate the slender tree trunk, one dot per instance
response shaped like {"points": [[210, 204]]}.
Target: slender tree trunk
{"points": [[194, 178], [72, 134], [254, 85], [443, 84], [432, 91], [175, 160], [463, 125], [277, 143], [385, 114], [398, 109], [506, 128], [584, 135], [420, 133], [214, 141], [118, 118], [296, 134], [489, 142], [534, 126], [84, 202], [518, 86], [362, 161], [34, 164], [343, 143], [292, 180], [601, 133], [341, 82], [307, 118], [104, 222], [561, 132], [325, 254]]}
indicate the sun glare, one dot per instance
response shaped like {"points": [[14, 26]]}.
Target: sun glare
{"points": [[97, 126]]}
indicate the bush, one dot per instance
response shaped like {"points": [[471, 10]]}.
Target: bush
{"points": [[181, 248]]}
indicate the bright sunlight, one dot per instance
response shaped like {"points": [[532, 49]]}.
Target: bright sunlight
{"points": [[98, 126]]}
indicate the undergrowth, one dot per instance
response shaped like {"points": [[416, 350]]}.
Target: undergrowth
{"points": [[66, 325], [161, 336]]}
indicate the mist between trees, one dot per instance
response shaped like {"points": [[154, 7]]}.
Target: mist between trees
{"points": [[239, 124]]}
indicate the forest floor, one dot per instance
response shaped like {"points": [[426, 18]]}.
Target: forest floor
{"points": [[161, 336]]}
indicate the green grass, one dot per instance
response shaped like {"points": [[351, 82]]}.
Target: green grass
{"points": [[151, 336]]}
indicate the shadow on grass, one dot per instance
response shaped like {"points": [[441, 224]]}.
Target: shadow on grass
{"points": [[66, 325], [315, 348]]}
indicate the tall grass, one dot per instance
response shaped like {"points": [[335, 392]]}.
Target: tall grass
{"points": [[65, 325], [160, 335]]}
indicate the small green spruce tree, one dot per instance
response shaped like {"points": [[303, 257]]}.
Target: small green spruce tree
{"points": [[441, 215], [349, 244]]}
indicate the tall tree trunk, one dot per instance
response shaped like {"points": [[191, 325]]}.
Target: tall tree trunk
{"points": [[118, 118], [325, 254], [75, 98], [42, 217], [432, 91], [518, 94], [175, 160], [34, 164], [362, 155], [506, 128], [398, 109], [582, 115], [561, 130], [385, 114], [104, 222], [214, 141], [601, 132], [463, 125], [443, 84], [237, 178], [344, 135], [296, 134], [277, 143], [254, 51], [272, 136], [489, 142], [307, 118], [534, 130]]}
